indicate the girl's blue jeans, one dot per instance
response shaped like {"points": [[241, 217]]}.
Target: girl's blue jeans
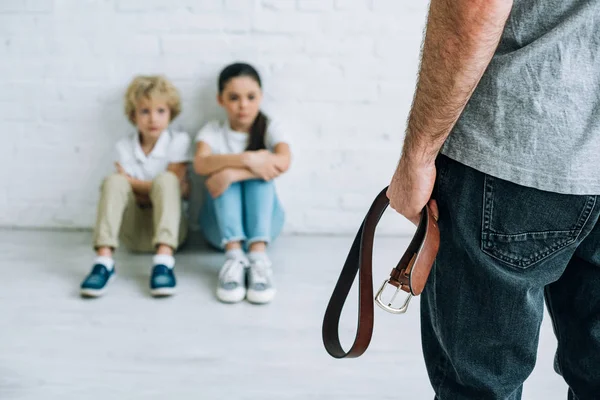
{"points": [[248, 211]]}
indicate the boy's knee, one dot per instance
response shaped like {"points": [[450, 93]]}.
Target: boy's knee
{"points": [[115, 181], [166, 180]]}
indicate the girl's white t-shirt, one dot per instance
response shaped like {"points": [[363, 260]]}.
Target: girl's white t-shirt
{"points": [[224, 140]]}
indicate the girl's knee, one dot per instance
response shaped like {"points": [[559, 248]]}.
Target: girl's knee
{"points": [[259, 185], [259, 182]]}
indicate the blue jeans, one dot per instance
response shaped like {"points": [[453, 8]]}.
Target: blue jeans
{"points": [[248, 211], [505, 249]]}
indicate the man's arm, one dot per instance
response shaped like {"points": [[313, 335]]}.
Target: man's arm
{"points": [[460, 40]]}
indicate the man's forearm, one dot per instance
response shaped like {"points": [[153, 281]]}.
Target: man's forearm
{"points": [[460, 40]]}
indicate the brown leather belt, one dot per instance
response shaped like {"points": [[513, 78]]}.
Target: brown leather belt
{"points": [[410, 275]]}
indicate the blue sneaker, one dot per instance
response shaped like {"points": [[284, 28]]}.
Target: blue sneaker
{"points": [[94, 285], [162, 281]]}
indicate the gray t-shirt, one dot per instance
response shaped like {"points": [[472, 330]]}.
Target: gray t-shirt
{"points": [[534, 118]]}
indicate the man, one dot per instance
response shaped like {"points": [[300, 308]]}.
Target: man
{"points": [[508, 93]]}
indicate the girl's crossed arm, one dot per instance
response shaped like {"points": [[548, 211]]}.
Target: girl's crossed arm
{"points": [[206, 163], [262, 163]]}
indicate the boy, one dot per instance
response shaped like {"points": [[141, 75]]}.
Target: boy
{"points": [[140, 204]]}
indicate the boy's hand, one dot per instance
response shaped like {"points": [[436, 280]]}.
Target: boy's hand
{"points": [[184, 187], [142, 200], [219, 182], [121, 171]]}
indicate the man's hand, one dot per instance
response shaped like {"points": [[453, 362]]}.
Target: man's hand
{"points": [[411, 187], [460, 40], [219, 182], [263, 164]]}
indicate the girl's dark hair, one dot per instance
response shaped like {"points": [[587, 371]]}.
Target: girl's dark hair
{"points": [[259, 126]]}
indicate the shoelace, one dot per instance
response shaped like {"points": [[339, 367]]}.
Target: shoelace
{"points": [[260, 272], [230, 270]]}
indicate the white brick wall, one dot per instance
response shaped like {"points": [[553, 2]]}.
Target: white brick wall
{"points": [[341, 73]]}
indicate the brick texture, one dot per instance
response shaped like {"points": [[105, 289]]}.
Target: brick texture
{"points": [[339, 73]]}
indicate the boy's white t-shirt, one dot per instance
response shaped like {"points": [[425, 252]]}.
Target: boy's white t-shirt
{"points": [[171, 147], [224, 140]]}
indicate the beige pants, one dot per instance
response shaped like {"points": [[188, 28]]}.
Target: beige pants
{"points": [[140, 229]]}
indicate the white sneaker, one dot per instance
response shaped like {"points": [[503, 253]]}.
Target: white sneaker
{"points": [[231, 287], [261, 289]]}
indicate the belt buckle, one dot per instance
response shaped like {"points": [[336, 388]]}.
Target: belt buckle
{"points": [[389, 307]]}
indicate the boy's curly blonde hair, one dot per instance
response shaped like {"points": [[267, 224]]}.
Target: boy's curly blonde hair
{"points": [[151, 86]]}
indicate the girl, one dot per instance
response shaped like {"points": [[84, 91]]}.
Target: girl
{"points": [[241, 211], [140, 204]]}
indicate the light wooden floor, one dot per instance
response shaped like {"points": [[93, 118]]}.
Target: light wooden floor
{"points": [[54, 345]]}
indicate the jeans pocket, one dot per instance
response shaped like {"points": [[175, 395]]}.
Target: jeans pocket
{"points": [[522, 226]]}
